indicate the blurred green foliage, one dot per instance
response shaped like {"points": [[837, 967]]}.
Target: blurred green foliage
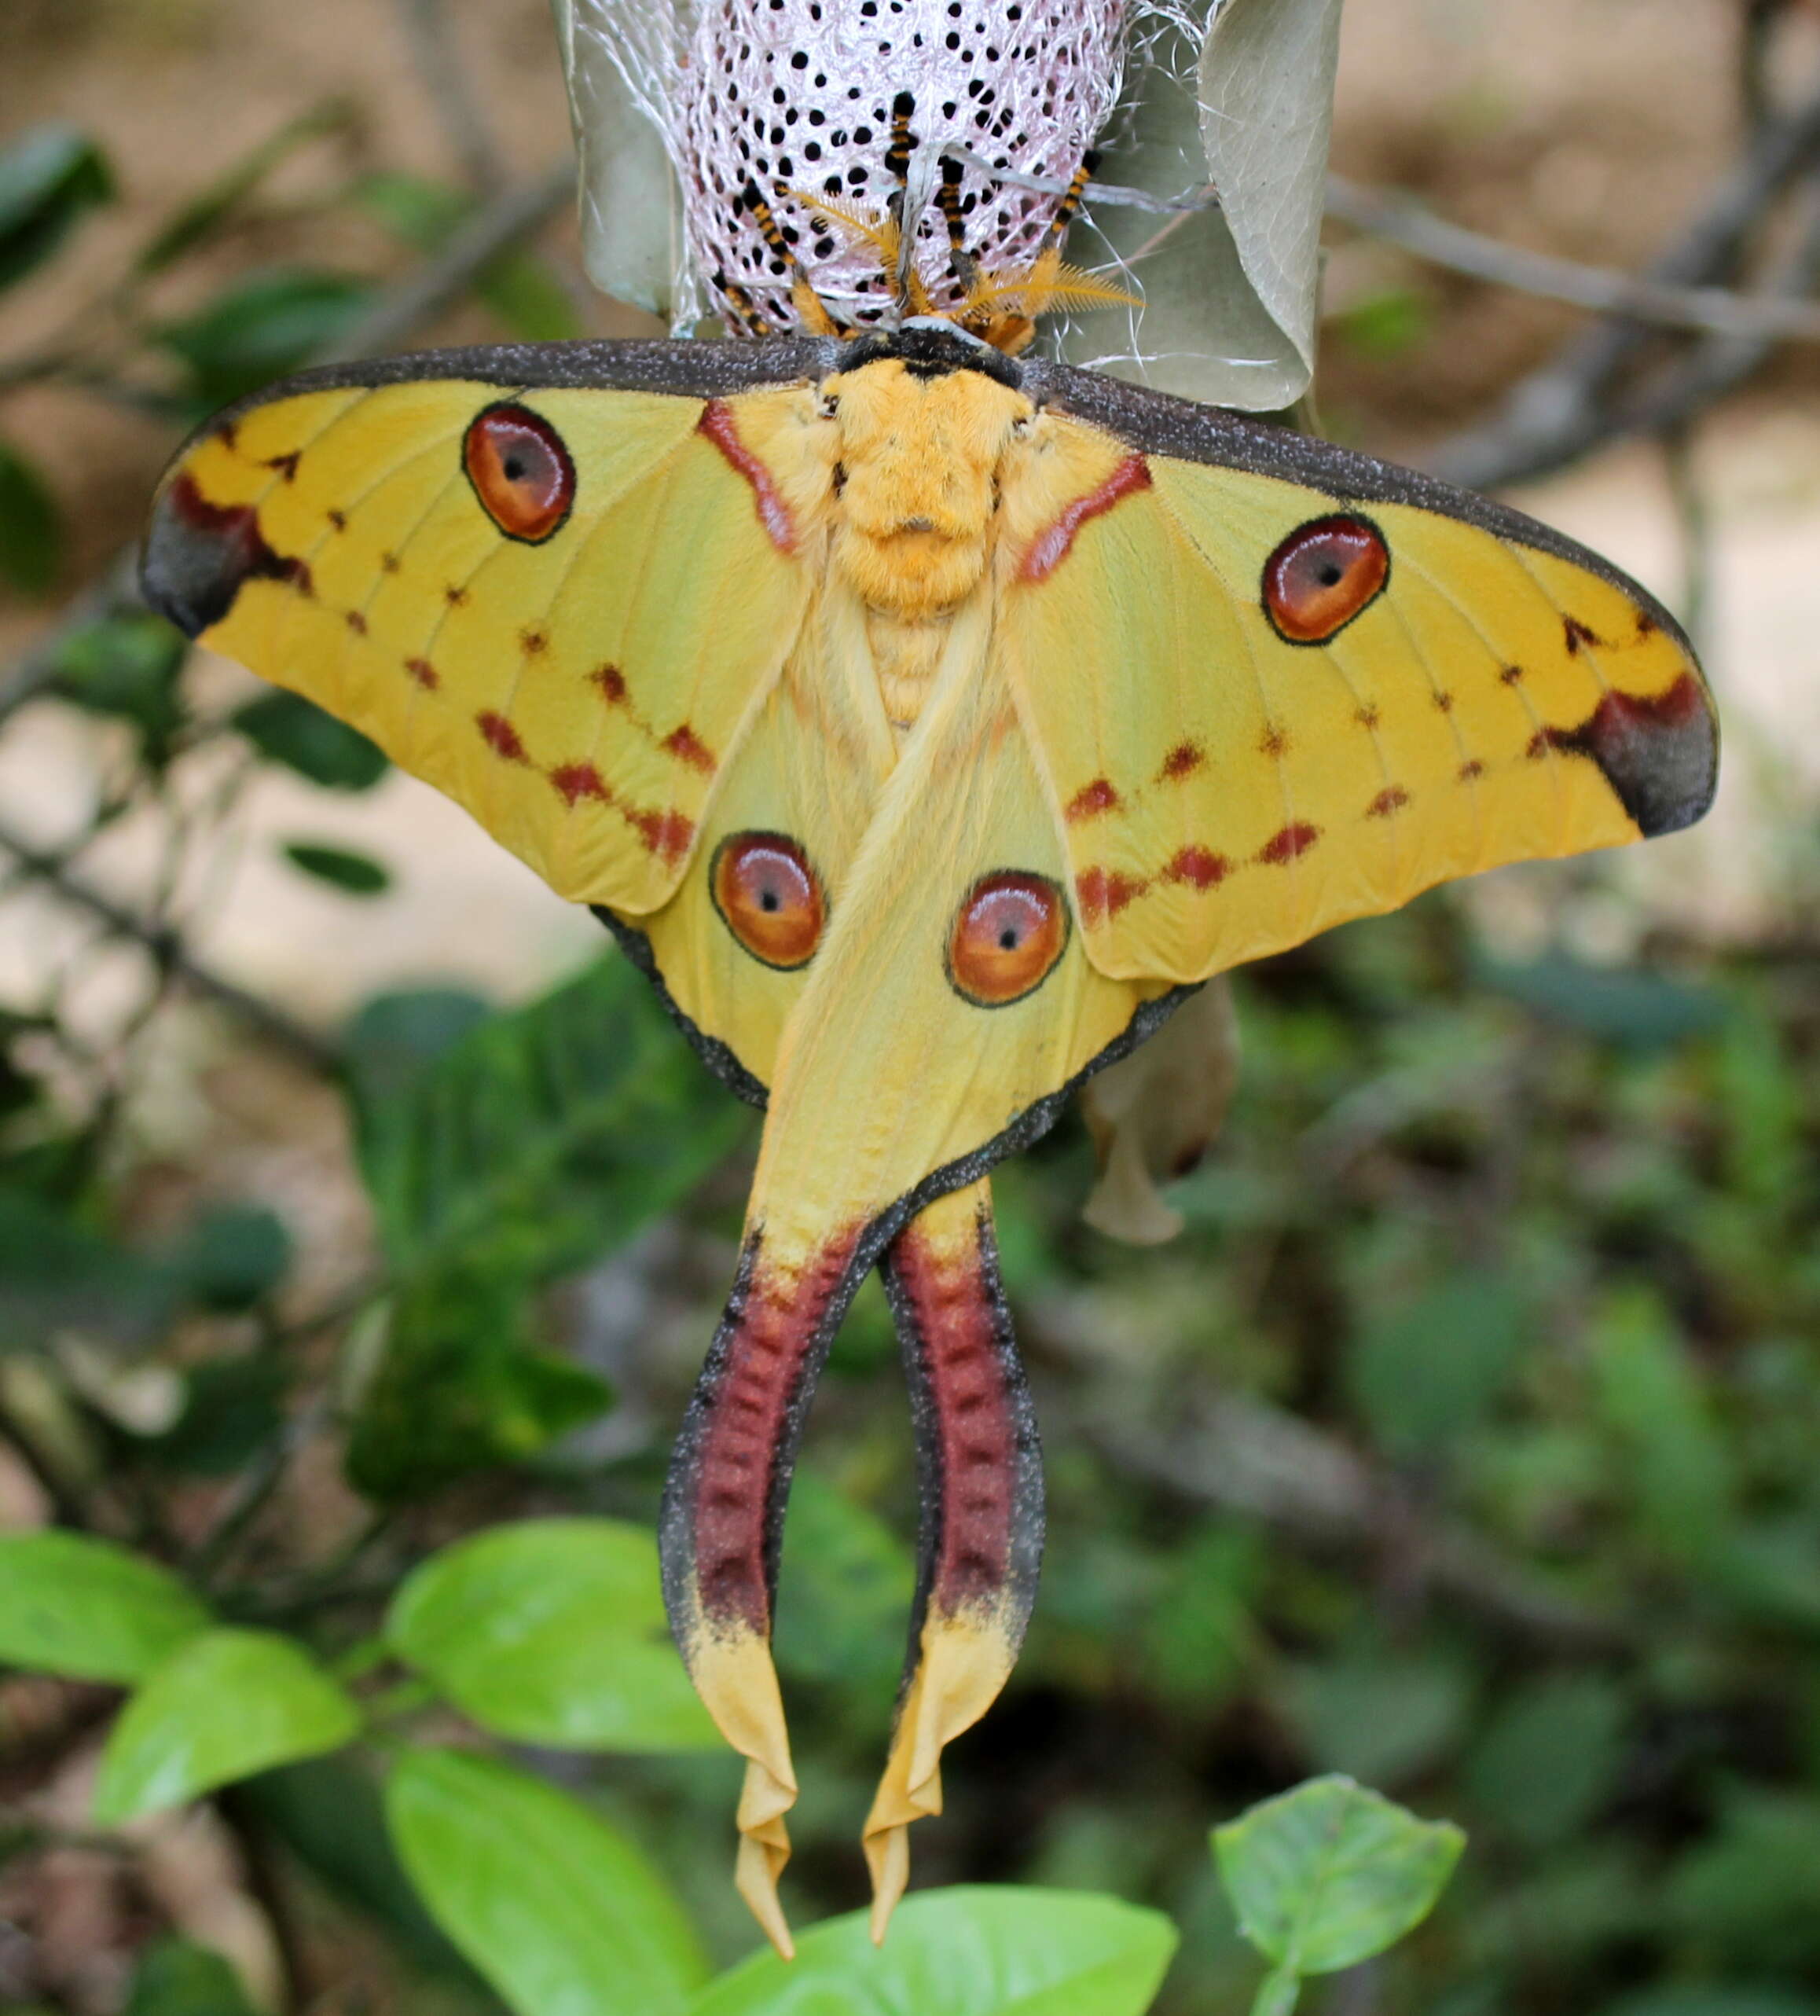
{"points": [[1464, 1443]]}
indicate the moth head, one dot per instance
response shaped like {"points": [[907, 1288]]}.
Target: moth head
{"points": [[920, 455]]}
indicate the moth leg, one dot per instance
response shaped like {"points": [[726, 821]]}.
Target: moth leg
{"points": [[980, 1480], [722, 1522]]}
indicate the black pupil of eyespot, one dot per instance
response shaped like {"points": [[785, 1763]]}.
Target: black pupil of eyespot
{"points": [[769, 900], [514, 469], [1008, 938], [1332, 574]]}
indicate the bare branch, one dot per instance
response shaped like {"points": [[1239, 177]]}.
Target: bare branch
{"points": [[425, 293], [1557, 413], [165, 946], [431, 33], [1709, 310]]}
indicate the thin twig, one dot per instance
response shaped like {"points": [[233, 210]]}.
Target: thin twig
{"points": [[1486, 460], [435, 285], [1707, 310], [1555, 414], [1246, 1457], [431, 33], [166, 947]]}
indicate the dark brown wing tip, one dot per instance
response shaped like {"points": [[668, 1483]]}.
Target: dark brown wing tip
{"points": [[1661, 756], [197, 556]]}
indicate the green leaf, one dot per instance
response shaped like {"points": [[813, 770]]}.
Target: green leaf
{"points": [[393, 1040], [1369, 1713], [56, 1273], [329, 1814], [1652, 1398], [561, 1913], [232, 1255], [1714, 1998], [1423, 1375], [31, 526], [1331, 1873], [291, 730], [231, 1408], [260, 327], [460, 1387], [1551, 1757], [1003, 1952], [844, 1589], [1747, 1890], [534, 1144], [1386, 323], [127, 666], [1637, 1011], [177, 1978], [48, 178], [553, 1631], [89, 1609], [223, 1706], [355, 874], [545, 1137]]}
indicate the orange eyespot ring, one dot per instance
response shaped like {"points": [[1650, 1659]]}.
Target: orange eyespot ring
{"points": [[1007, 936], [1323, 575], [520, 471], [768, 897]]}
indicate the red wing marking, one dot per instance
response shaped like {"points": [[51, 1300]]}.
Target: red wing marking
{"points": [[1051, 546], [611, 682], [1512, 675], [1387, 802], [717, 423], [1469, 771], [286, 466], [1287, 845], [1274, 741], [1183, 761], [973, 1421], [1092, 799], [532, 639], [425, 673], [1199, 868], [575, 781], [1103, 893], [667, 835], [357, 623], [688, 747], [731, 1480], [501, 736]]}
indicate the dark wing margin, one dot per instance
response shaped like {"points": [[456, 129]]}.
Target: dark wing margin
{"points": [[195, 555], [697, 370], [1661, 757]]}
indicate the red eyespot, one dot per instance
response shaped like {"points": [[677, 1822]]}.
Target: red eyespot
{"points": [[520, 471], [1322, 576], [768, 897], [1007, 936]]}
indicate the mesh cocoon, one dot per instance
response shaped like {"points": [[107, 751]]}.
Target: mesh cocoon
{"points": [[798, 93]]}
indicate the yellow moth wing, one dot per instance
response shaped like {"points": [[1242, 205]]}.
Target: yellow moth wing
{"points": [[579, 692], [1225, 790], [808, 775]]}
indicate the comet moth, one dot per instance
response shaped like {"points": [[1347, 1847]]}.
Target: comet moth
{"points": [[927, 722]]}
